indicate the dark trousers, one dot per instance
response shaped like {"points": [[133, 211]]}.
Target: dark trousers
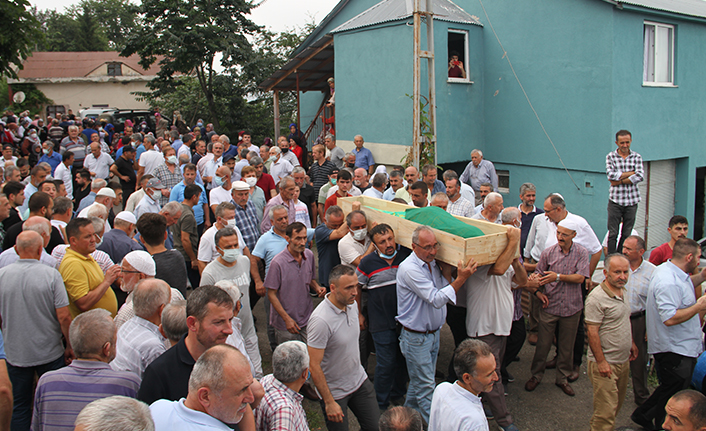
{"points": [[638, 367], [674, 373], [194, 276], [363, 404], [514, 344], [365, 341], [390, 369], [495, 399], [456, 319], [548, 324], [616, 215], [22, 379]]}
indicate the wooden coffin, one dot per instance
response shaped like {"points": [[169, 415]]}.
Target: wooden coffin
{"points": [[484, 249]]}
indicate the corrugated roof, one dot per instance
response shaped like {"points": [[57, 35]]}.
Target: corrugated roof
{"points": [[43, 65], [696, 8], [312, 67], [395, 10]]}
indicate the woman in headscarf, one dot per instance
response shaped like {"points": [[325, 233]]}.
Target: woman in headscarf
{"points": [[29, 141], [299, 138]]}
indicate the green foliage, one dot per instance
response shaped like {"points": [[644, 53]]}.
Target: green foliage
{"points": [[427, 148], [189, 35], [34, 98], [18, 34], [92, 25]]}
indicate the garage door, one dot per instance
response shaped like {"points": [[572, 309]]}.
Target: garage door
{"points": [[657, 204]]}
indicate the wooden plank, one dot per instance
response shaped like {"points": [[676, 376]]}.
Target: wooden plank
{"points": [[484, 249]]}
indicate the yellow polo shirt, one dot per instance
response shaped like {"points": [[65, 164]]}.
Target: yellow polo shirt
{"points": [[82, 274]]}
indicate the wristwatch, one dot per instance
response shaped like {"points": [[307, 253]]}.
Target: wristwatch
{"points": [[557, 277]]}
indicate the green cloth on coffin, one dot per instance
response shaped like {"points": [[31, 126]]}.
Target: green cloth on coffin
{"points": [[439, 219]]}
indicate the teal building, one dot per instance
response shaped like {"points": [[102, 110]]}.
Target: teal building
{"points": [[578, 71]]}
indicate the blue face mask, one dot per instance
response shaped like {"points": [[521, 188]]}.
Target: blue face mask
{"points": [[384, 256], [333, 181], [218, 181]]}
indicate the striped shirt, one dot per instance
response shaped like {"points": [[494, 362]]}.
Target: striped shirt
{"points": [[280, 409], [246, 219], [319, 174], [63, 393], [139, 343], [616, 165], [565, 299]]}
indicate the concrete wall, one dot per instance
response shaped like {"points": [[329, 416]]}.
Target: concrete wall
{"points": [[84, 95]]}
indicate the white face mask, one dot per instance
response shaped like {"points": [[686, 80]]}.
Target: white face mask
{"points": [[251, 181], [172, 159], [231, 223], [359, 235]]}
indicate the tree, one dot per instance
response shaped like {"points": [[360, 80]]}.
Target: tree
{"points": [[18, 34], [189, 35]]}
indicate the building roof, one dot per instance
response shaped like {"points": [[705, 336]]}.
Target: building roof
{"points": [[396, 10], [311, 66], [696, 8], [50, 65]]}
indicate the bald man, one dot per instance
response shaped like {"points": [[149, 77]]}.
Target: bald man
{"points": [[41, 226]]}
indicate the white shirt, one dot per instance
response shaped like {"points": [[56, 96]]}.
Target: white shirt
{"points": [[537, 237], [210, 168], [350, 249], [99, 256], [10, 256], [236, 340], [584, 235], [373, 193], [184, 149], [489, 303], [219, 194], [455, 409], [290, 157], [620, 232], [280, 169], [147, 205], [64, 174], [150, 160], [100, 166], [84, 214], [134, 199], [207, 244], [175, 416], [468, 192]]}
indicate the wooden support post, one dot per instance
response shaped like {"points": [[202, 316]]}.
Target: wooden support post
{"points": [[276, 112], [299, 116]]}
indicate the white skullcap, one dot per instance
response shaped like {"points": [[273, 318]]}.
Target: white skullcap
{"points": [[141, 261], [569, 224], [106, 191], [240, 185], [126, 216]]}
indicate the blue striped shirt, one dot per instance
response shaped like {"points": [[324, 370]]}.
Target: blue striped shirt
{"points": [[62, 394]]}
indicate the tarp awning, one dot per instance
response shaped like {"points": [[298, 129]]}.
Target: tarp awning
{"points": [[313, 66]]}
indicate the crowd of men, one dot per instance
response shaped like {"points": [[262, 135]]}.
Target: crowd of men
{"points": [[130, 268]]}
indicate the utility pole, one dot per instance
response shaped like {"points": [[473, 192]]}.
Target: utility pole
{"points": [[423, 10]]}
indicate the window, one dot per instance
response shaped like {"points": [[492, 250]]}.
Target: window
{"points": [[55, 110], [458, 54], [503, 182], [115, 69], [658, 62]]}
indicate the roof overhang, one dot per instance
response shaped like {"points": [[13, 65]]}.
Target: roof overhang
{"points": [[83, 79], [311, 67]]}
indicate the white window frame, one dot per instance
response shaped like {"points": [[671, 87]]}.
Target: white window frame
{"points": [[503, 173], [467, 79], [648, 74]]}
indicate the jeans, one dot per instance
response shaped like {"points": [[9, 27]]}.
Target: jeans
{"points": [[390, 370], [420, 352], [362, 403], [22, 379], [616, 215], [674, 373]]}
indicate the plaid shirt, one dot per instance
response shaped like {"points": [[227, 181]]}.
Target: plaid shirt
{"points": [[615, 165], [280, 409], [462, 207], [246, 220], [169, 180], [565, 299]]}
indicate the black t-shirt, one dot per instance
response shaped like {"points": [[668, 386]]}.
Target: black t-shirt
{"points": [[125, 167], [167, 377], [13, 219], [80, 194], [172, 269], [15, 230], [308, 196]]}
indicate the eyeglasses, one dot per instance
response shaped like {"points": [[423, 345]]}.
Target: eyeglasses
{"points": [[129, 272], [430, 248]]}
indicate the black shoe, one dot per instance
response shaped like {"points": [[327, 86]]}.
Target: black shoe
{"points": [[642, 421], [510, 378]]}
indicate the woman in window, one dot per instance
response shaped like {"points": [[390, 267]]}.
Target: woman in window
{"points": [[456, 67]]}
